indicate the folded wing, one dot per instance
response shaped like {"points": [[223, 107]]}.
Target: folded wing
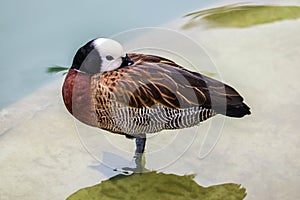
{"points": [[154, 80]]}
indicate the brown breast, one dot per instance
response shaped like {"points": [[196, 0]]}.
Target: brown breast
{"points": [[76, 94]]}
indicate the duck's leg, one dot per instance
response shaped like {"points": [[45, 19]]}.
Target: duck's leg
{"points": [[140, 143]]}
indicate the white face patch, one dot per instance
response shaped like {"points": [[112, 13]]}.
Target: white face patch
{"points": [[111, 53]]}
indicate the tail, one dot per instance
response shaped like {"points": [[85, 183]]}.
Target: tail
{"points": [[239, 110]]}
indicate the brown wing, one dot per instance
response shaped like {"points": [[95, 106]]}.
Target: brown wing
{"points": [[155, 80]]}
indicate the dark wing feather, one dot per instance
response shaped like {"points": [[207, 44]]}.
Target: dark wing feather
{"points": [[154, 80]]}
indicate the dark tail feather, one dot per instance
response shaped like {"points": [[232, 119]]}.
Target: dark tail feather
{"points": [[237, 110]]}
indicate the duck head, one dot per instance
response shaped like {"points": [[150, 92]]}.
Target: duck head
{"points": [[100, 55]]}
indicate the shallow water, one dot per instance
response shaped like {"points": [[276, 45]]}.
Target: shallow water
{"points": [[36, 35]]}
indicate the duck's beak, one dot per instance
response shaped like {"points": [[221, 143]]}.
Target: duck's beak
{"points": [[126, 61]]}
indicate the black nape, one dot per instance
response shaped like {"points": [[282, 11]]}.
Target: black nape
{"points": [[87, 59]]}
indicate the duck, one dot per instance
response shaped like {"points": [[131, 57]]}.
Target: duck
{"points": [[136, 94]]}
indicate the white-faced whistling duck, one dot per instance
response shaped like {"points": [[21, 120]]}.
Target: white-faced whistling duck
{"points": [[135, 94]]}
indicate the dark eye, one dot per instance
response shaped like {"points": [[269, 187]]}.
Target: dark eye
{"points": [[109, 57]]}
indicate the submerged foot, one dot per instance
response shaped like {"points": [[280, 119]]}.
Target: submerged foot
{"points": [[139, 156]]}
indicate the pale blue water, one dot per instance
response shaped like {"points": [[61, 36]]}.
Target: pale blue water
{"points": [[38, 34]]}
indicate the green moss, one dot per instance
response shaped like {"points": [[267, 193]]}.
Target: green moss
{"points": [[238, 16], [157, 186]]}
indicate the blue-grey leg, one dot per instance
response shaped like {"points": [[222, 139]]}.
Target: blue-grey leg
{"points": [[139, 158], [140, 143]]}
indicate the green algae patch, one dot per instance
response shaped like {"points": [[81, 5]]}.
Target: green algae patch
{"points": [[152, 185], [239, 16]]}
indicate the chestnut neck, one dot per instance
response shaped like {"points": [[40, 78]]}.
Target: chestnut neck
{"points": [[76, 92]]}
